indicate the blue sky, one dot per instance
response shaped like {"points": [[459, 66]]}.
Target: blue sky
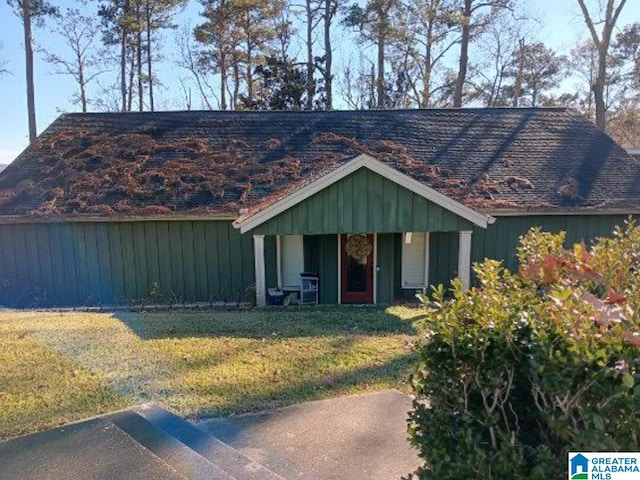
{"points": [[561, 25]]}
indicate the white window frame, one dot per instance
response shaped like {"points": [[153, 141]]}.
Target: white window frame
{"points": [[410, 236]]}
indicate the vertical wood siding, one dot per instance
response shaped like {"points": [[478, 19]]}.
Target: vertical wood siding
{"points": [[68, 264], [386, 268], [363, 202], [500, 240], [321, 257], [443, 256]]}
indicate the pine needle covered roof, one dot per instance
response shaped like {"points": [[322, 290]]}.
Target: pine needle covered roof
{"points": [[216, 163]]}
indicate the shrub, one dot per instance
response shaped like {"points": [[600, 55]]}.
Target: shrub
{"points": [[515, 373]]}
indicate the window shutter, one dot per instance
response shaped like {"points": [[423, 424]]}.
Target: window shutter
{"points": [[414, 259], [292, 260]]}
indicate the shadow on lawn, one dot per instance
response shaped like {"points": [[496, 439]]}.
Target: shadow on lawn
{"points": [[259, 324], [394, 372]]}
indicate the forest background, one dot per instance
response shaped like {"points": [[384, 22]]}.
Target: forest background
{"points": [[142, 55]]}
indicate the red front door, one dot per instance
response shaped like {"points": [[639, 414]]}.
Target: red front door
{"points": [[356, 276]]}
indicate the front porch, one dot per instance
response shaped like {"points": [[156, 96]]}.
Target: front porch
{"points": [[398, 265], [409, 235]]}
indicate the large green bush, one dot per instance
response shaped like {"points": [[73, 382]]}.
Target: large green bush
{"points": [[515, 373]]}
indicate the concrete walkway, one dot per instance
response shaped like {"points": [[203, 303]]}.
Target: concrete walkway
{"points": [[94, 449], [355, 438], [360, 437]]}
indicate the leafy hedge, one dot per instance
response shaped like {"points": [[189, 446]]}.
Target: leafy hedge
{"points": [[517, 372]]}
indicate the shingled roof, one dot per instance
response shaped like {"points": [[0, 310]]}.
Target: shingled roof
{"points": [[215, 163]]}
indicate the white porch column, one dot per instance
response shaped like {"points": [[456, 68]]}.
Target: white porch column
{"points": [[464, 259], [258, 253]]}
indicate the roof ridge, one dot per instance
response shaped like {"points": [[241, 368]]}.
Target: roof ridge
{"points": [[327, 112]]}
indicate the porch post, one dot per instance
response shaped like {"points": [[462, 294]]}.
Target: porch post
{"points": [[258, 253], [464, 259]]}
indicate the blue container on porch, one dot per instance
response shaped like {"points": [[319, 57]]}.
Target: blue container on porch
{"points": [[275, 296]]}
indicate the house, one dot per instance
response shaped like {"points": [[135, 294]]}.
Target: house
{"points": [[114, 208], [579, 465]]}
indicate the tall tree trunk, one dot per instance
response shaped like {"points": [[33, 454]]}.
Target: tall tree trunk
{"points": [[149, 58], [602, 46], [426, 82], [132, 76], [123, 55], [249, 69], [82, 84], [599, 87], [329, 11], [517, 88], [380, 91], [464, 54], [310, 69], [236, 86], [372, 87], [139, 59], [223, 81], [28, 50], [249, 74]]}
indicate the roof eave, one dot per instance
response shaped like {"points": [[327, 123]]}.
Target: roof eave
{"points": [[564, 212], [13, 219]]}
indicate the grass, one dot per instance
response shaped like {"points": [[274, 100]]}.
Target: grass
{"points": [[59, 367]]}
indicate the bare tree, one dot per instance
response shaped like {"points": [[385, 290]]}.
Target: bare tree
{"points": [[358, 84], [476, 15], [199, 66], [608, 20], [500, 46], [80, 35], [428, 34]]}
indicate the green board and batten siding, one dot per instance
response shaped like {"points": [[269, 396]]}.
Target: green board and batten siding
{"points": [[321, 257], [111, 263], [363, 202], [115, 263], [500, 240]]}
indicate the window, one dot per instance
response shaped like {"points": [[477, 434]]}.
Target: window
{"points": [[291, 256], [415, 260]]}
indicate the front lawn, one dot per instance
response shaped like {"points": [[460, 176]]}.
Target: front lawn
{"points": [[59, 367]]}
